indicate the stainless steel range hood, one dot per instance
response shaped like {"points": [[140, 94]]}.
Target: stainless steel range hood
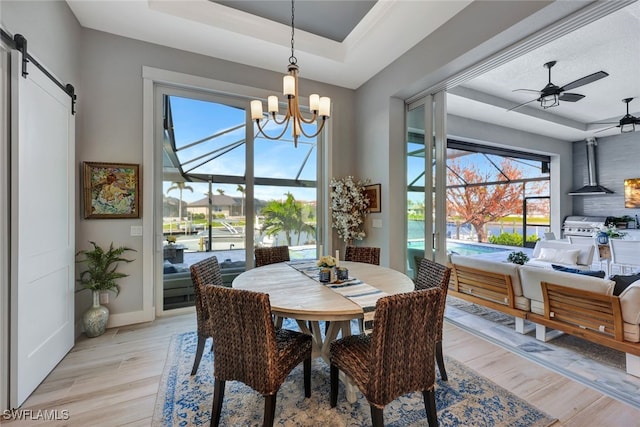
{"points": [[593, 188]]}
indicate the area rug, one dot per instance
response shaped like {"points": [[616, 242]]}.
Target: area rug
{"points": [[467, 399]]}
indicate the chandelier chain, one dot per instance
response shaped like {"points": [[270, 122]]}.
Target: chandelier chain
{"points": [[292, 58]]}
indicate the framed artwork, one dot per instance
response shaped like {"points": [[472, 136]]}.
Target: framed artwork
{"points": [[111, 190], [632, 193], [373, 193]]}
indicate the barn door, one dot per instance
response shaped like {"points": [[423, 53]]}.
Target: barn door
{"points": [[42, 228]]}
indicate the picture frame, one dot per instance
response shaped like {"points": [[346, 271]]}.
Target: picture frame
{"points": [[632, 193], [111, 190], [373, 192]]}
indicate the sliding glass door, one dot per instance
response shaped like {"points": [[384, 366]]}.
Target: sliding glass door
{"points": [[226, 190]]}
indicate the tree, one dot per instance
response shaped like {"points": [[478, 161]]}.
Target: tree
{"points": [[241, 189], [286, 216], [220, 191], [480, 204], [180, 186]]}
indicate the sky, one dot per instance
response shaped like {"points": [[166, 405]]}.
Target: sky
{"points": [[196, 120]]}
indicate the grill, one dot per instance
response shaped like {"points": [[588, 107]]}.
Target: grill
{"points": [[582, 225]]}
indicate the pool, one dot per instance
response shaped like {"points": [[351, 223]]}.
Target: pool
{"points": [[463, 248]]}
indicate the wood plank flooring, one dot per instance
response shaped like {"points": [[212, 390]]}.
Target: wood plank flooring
{"points": [[112, 380]]}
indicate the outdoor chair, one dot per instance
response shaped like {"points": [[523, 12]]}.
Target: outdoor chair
{"points": [[248, 348], [369, 255], [625, 254], [396, 358], [433, 275], [205, 272], [272, 255], [585, 240]]}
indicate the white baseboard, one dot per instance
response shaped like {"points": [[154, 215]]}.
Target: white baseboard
{"points": [[122, 319]]}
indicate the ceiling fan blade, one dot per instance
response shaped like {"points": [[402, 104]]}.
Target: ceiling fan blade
{"points": [[610, 127], [520, 105], [526, 90], [584, 80], [604, 123], [570, 97]]}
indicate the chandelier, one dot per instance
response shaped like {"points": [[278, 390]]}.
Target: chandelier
{"points": [[320, 106]]}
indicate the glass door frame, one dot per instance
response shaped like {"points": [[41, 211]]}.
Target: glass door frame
{"points": [[435, 161]]}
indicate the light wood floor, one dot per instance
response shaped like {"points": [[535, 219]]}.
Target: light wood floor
{"points": [[112, 380]]}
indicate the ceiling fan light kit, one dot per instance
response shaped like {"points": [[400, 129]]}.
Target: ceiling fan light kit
{"points": [[627, 123]]}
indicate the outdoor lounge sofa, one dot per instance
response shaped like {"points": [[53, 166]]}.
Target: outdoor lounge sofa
{"points": [[576, 304], [177, 285]]}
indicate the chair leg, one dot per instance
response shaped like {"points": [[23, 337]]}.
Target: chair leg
{"points": [[218, 397], [334, 385], [201, 342], [269, 410], [440, 360], [430, 407], [377, 418], [307, 377]]}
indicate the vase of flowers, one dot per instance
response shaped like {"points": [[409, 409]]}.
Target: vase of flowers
{"points": [[349, 204], [326, 263]]}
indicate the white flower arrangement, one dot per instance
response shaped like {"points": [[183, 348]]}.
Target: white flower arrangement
{"points": [[327, 261], [349, 204], [611, 230]]}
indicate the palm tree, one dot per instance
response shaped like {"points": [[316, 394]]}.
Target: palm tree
{"points": [[241, 189], [220, 191], [288, 216], [179, 186]]}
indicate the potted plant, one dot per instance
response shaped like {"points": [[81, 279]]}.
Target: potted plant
{"points": [[101, 275], [326, 264], [518, 258]]}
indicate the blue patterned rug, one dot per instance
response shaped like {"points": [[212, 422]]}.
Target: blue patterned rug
{"points": [[467, 399]]}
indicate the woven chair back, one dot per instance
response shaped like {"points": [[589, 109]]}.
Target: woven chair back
{"points": [[369, 255], [403, 345], [272, 255], [244, 339], [205, 272], [434, 275]]}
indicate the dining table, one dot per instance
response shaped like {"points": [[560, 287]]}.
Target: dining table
{"points": [[296, 293]]}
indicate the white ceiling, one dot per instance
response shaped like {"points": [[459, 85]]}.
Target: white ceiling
{"points": [[610, 44]]}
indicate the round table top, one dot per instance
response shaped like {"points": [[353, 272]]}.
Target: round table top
{"points": [[295, 295]]}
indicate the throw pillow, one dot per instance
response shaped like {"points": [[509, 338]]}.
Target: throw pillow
{"points": [[622, 282], [559, 255], [168, 268], [593, 273]]}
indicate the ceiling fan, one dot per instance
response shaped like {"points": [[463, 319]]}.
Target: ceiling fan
{"points": [[626, 124], [551, 95]]}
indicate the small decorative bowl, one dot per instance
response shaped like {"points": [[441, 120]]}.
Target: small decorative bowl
{"points": [[325, 276]]}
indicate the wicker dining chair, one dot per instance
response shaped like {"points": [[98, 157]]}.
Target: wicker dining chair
{"points": [[248, 347], [369, 255], [395, 359], [272, 255], [434, 275], [205, 272]]}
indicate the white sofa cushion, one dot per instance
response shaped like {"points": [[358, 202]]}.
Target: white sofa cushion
{"points": [[585, 255], [559, 256], [531, 277]]}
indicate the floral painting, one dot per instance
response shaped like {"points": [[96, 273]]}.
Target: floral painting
{"points": [[111, 190], [632, 193]]}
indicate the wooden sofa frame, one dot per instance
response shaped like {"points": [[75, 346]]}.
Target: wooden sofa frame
{"points": [[589, 315]]}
